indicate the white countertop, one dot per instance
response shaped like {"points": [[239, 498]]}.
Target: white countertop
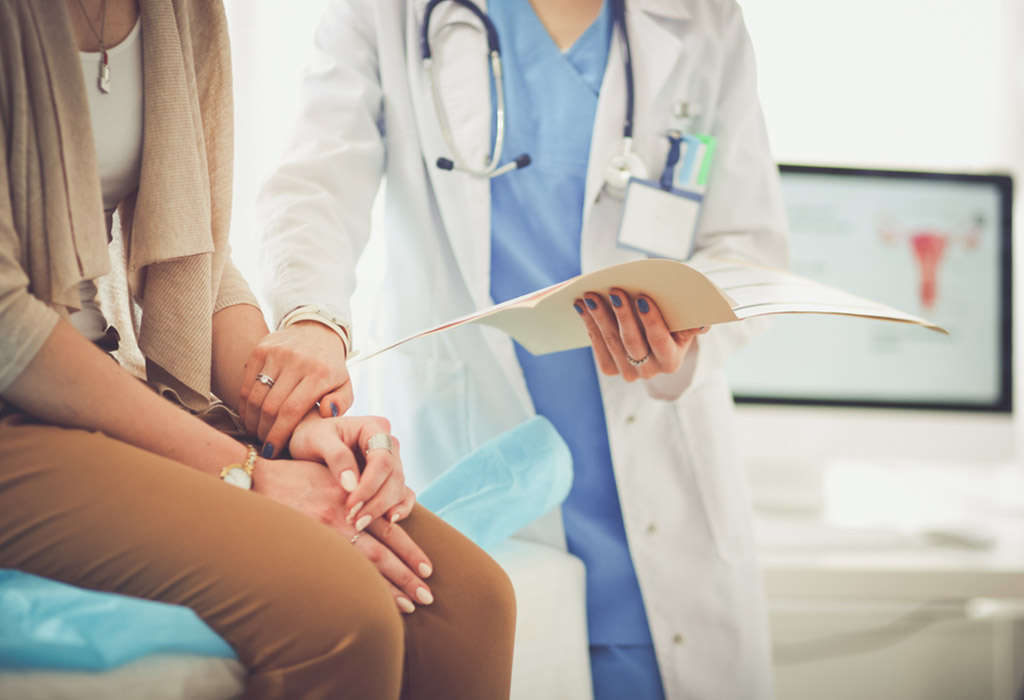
{"points": [[901, 531]]}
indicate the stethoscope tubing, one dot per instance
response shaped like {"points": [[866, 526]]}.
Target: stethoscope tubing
{"points": [[619, 18], [494, 52], [491, 168]]}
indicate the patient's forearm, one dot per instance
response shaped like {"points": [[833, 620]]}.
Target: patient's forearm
{"points": [[72, 383], [236, 331]]}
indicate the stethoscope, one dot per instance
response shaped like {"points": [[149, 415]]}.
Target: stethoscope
{"points": [[621, 167]]}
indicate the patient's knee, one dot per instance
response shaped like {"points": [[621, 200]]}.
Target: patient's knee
{"points": [[503, 595], [337, 639], [490, 599]]}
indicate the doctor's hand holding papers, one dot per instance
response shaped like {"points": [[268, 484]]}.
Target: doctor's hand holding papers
{"points": [[633, 342]]}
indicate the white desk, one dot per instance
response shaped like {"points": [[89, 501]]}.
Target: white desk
{"points": [[867, 572], [935, 572]]}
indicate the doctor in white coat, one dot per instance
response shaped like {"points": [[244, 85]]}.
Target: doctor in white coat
{"points": [[367, 116]]}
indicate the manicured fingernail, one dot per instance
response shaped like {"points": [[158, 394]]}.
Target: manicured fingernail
{"points": [[268, 451], [643, 305], [405, 605], [579, 309], [349, 480], [424, 596], [363, 522], [616, 302], [352, 513], [591, 303], [334, 410], [395, 517], [425, 569]]}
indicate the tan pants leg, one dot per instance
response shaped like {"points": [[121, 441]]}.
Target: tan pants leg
{"points": [[307, 614]]}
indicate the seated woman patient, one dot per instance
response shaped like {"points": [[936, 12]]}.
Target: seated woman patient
{"points": [[107, 483]]}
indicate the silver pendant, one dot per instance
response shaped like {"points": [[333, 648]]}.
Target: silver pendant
{"points": [[104, 79]]}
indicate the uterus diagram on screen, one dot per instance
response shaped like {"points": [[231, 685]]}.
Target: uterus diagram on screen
{"points": [[929, 246]]}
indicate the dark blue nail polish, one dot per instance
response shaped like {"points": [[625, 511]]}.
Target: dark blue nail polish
{"points": [[591, 303], [334, 410], [616, 302], [268, 451], [579, 309], [643, 305]]}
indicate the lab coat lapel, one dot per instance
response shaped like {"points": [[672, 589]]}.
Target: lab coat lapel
{"points": [[461, 68], [656, 40]]}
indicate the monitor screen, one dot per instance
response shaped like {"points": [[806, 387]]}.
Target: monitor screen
{"points": [[936, 245]]}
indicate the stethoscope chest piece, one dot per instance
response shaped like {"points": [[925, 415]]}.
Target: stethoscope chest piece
{"points": [[621, 168]]}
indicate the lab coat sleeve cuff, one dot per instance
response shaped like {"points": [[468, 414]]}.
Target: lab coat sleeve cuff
{"points": [[668, 387], [706, 357]]}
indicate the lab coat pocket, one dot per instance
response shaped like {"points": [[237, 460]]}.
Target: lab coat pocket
{"points": [[707, 418], [426, 399]]}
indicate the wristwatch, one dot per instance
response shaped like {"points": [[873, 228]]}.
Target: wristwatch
{"points": [[240, 475]]}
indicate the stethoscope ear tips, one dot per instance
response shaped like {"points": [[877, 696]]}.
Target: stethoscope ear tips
{"points": [[522, 161], [445, 164]]}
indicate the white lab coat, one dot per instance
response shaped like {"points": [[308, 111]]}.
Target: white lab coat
{"points": [[367, 114]]}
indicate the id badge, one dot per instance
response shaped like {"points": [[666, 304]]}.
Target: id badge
{"points": [[660, 222]]}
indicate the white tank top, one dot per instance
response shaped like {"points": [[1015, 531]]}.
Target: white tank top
{"points": [[117, 120]]}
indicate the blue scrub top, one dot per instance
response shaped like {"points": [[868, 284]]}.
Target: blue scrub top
{"points": [[536, 222]]}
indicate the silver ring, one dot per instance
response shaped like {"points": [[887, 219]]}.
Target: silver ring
{"points": [[380, 441], [355, 537], [264, 379], [641, 361]]}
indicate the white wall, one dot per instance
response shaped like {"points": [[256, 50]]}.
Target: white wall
{"points": [[911, 84], [891, 83], [271, 42]]}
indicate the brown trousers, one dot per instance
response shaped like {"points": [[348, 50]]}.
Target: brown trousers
{"points": [[307, 613]]}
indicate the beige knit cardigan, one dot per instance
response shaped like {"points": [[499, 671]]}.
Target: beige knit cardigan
{"points": [[175, 225]]}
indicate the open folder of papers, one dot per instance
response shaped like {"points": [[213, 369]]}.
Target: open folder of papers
{"points": [[689, 295]]}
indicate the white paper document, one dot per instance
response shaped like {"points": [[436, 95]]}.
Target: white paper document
{"points": [[689, 295]]}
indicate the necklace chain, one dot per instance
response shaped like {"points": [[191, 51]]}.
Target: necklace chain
{"points": [[103, 23], [104, 77]]}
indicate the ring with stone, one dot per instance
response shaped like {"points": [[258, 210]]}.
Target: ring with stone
{"points": [[641, 361], [264, 379], [380, 441]]}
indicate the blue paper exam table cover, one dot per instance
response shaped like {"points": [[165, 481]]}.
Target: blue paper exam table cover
{"points": [[490, 494]]}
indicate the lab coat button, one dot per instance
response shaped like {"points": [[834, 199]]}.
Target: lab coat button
{"points": [[652, 528], [678, 639]]}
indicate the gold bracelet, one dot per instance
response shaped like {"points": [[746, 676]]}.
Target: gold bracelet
{"points": [[240, 475]]}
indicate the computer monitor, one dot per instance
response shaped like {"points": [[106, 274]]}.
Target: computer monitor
{"points": [[937, 245]]}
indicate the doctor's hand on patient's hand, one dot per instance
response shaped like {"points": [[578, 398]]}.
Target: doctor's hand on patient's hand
{"points": [[630, 337], [370, 473], [311, 489], [285, 375]]}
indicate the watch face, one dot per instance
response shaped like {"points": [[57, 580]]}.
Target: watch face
{"points": [[236, 476]]}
